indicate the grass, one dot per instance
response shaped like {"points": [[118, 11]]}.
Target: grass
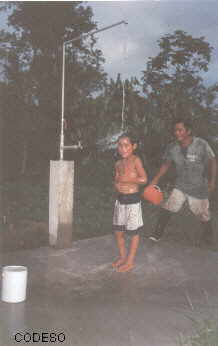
{"points": [[25, 200], [93, 211], [93, 208], [28, 201], [205, 329], [206, 334]]}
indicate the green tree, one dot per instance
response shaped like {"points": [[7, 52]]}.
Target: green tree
{"points": [[34, 73], [121, 107], [173, 84]]}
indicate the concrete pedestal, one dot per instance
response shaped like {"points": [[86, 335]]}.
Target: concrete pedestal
{"points": [[61, 192]]}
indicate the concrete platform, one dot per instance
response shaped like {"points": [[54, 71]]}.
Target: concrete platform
{"points": [[76, 294]]}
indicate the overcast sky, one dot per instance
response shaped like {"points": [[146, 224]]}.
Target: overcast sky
{"points": [[127, 47]]}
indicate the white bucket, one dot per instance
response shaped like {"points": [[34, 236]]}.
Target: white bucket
{"points": [[14, 282]]}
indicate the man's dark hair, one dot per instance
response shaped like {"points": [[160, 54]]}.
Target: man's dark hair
{"points": [[186, 122]]}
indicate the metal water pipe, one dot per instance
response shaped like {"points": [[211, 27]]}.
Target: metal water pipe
{"points": [[65, 43]]}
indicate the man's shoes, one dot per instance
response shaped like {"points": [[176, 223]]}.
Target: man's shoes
{"points": [[207, 239], [207, 236], [161, 224], [154, 238], [157, 234]]}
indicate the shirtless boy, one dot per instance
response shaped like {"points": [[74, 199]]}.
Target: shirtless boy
{"points": [[129, 174]]}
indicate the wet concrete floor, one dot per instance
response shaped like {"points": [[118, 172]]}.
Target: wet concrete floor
{"points": [[75, 297]]}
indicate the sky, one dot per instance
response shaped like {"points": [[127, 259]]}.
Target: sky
{"points": [[127, 48]]}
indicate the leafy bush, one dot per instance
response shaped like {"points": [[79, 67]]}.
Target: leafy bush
{"points": [[93, 210], [25, 200], [28, 200]]}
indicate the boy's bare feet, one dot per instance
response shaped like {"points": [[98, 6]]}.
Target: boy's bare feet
{"points": [[125, 267], [118, 262]]}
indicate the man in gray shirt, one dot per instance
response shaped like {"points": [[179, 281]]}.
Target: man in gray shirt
{"points": [[192, 157]]}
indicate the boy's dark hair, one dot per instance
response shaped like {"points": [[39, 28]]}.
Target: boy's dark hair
{"points": [[186, 122], [133, 139]]}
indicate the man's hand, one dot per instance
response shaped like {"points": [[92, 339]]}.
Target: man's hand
{"points": [[163, 170], [211, 186], [153, 182]]}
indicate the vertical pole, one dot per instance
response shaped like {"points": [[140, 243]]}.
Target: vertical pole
{"points": [[62, 106], [123, 107]]}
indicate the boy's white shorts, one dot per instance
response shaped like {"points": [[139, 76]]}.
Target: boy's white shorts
{"points": [[127, 217], [199, 207]]}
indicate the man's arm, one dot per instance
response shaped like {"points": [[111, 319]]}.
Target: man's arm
{"points": [[212, 174], [162, 171]]}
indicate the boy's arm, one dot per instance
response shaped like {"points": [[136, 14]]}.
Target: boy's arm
{"points": [[116, 177], [162, 171], [142, 175]]}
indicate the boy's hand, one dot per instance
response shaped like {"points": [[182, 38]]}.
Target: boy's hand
{"points": [[125, 188], [120, 187], [122, 179]]}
